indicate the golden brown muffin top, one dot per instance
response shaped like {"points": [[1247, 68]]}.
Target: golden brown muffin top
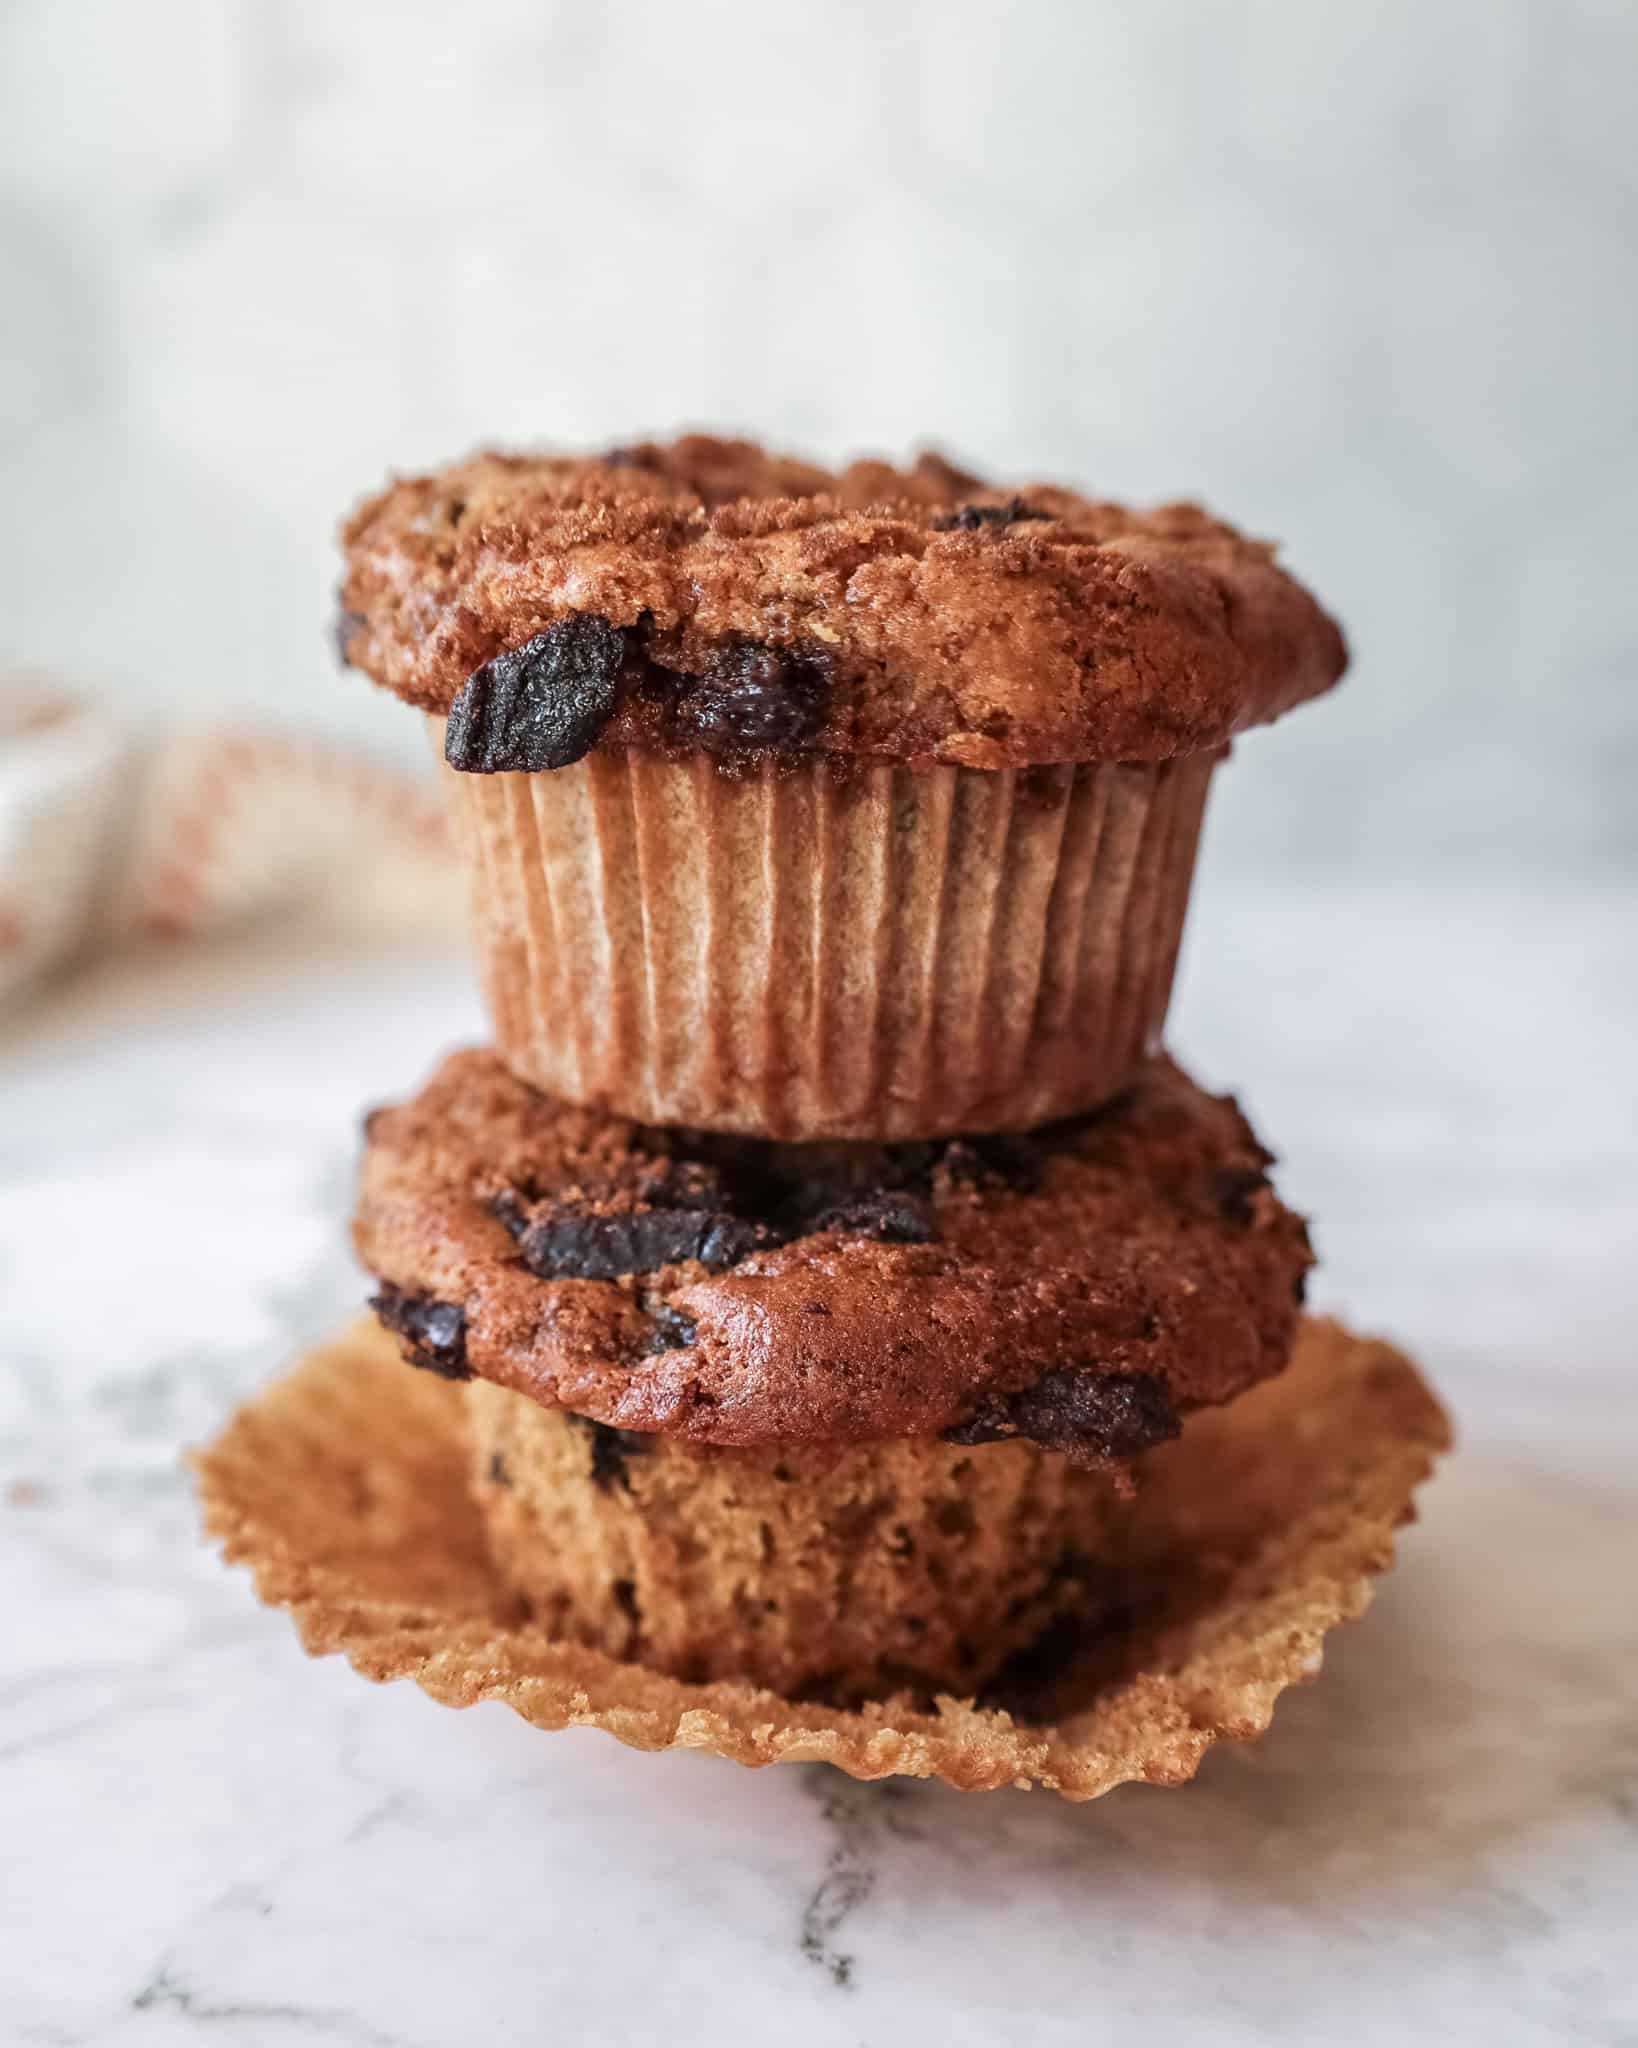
{"points": [[709, 594], [1084, 1286]]}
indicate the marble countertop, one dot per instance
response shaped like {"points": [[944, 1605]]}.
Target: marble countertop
{"points": [[204, 1833]]}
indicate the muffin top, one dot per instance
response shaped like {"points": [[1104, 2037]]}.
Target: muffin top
{"points": [[1084, 1286], [708, 595]]}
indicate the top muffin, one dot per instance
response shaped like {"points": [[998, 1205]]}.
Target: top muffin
{"points": [[708, 595]]}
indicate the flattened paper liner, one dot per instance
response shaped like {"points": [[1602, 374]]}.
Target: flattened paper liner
{"points": [[343, 1487]]}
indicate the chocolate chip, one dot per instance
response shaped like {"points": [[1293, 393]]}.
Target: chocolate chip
{"points": [[1102, 1415], [971, 518], [894, 1216], [498, 1474], [576, 1245], [1234, 1190], [625, 1598], [431, 1334], [752, 695], [348, 625], [541, 705], [610, 1448]]}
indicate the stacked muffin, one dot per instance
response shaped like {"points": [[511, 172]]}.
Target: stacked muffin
{"points": [[825, 1243]]}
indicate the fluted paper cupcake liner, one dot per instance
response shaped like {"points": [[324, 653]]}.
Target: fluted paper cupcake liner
{"points": [[832, 950]]}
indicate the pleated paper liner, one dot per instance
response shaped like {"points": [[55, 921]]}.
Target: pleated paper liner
{"points": [[344, 1488], [829, 949]]}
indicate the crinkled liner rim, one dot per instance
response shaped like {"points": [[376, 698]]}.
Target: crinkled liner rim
{"points": [[343, 1487]]}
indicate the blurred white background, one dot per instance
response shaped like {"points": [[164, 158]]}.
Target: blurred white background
{"points": [[1363, 277]]}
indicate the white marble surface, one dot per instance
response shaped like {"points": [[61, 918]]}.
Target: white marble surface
{"points": [[204, 1834]]}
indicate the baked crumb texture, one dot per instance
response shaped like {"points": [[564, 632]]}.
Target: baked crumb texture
{"points": [[831, 1573]]}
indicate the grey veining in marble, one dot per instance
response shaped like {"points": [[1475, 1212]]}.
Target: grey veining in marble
{"points": [[203, 1833]]}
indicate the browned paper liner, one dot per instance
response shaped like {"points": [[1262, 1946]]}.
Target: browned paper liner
{"points": [[829, 949], [343, 1487]]}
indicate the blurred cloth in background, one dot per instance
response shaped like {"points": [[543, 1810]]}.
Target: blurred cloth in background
{"points": [[191, 832], [1362, 277]]}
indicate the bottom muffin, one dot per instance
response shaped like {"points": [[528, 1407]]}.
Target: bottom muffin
{"points": [[839, 1572]]}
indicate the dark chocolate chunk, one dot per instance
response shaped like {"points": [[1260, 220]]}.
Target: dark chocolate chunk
{"points": [[610, 1448], [348, 624], [576, 1245], [1234, 1189], [1029, 1671], [1071, 1568], [894, 1215], [673, 1330], [541, 705], [752, 696], [431, 1334], [1104, 1415], [1005, 1156], [507, 1206], [971, 518], [684, 1184], [1299, 1286]]}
